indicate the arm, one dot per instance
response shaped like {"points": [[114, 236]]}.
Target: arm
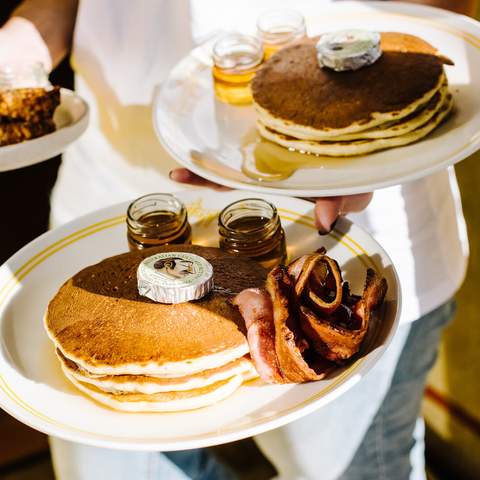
{"points": [[40, 30]]}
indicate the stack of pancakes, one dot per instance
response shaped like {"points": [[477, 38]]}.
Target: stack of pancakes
{"points": [[395, 101], [132, 354]]}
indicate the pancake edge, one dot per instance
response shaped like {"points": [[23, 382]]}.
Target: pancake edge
{"points": [[243, 366], [227, 388], [360, 147]]}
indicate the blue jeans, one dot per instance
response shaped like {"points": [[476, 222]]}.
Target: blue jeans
{"points": [[200, 464], [386, 449]]}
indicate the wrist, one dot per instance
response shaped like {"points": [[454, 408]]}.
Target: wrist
{"points": [[21, 43]]}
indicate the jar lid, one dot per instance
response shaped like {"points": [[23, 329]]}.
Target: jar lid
{"points": [[348, 49], [174, 277]]}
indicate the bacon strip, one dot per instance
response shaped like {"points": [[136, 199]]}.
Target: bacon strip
{"points": [[336, 340], [288, 340], [255, 305]]}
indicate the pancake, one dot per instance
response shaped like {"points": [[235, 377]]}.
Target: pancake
{"points": [[359, 147], [99, 321], [162, 402], [150, 385], [404, 42], [405, 125], [294, 96]]}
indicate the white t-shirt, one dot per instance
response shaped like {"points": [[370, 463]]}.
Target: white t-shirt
{"points": [[123, 50]]}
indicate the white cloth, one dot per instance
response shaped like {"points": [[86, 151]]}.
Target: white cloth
{"points": [[122, 50], [73, 461]]}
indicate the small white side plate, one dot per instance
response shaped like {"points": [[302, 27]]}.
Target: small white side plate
{"points": [[71, 119]]}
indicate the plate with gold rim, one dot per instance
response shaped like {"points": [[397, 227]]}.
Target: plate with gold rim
{"points": [[219, 141], [34, 390]]}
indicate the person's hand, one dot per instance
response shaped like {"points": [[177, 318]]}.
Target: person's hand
{"points": [[327, 209]]}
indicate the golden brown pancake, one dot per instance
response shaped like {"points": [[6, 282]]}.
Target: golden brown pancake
{"points": [[404, 42], [99, 321], [396, 128], [164, 401], [358, 147], [147, 384], [294, 90]]}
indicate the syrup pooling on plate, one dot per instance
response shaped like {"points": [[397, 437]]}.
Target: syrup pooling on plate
{"points": [[264, 161]]}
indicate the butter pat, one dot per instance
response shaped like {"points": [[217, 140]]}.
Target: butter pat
{"points": [[348, 49], [174, 277]]}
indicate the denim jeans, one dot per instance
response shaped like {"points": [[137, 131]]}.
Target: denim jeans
{"points": [[384, 452]]}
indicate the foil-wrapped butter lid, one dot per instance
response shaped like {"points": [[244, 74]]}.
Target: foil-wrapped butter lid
{"points": [[348, 49], [174, 277]]}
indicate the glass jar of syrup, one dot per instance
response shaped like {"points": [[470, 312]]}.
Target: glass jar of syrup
{"points": [[252, 228], [236, 58], [279, 28], [157, 219], [32, 75]]}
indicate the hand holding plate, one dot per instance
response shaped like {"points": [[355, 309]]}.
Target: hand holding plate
{"points": [[327, 209]]}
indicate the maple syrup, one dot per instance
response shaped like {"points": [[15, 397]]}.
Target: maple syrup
{"points": [[236, 58], [265, 161], [252, 228], [157, 219]]}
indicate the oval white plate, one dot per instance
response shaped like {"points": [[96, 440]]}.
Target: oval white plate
{"points": [[71, 120], [34, 390], [205, 135]]}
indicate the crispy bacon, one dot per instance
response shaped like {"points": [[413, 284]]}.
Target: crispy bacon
{"points": [[320, 276], [289, 341], [307, 318], [339, 336]]}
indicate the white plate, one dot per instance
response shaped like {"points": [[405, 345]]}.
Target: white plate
{"points": [[71, 120], [34, 390], [190, 121]]}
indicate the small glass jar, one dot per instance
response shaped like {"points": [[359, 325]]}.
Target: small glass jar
{"points": [[157, 219], [279, 28], [236, 58], [252, 228], [30, 75]]}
